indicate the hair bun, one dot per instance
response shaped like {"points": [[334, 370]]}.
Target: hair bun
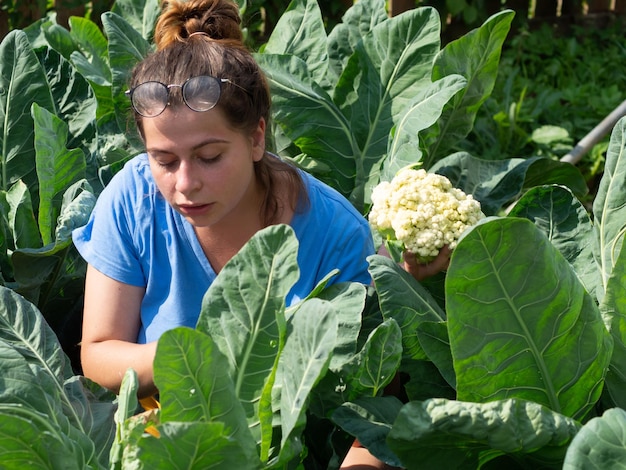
{"points": [[218, 19]]}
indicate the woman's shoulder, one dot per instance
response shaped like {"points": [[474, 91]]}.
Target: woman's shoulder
{"points": [[326, 200], [133, 182]]}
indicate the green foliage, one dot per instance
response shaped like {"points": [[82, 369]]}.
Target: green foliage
{"points": [[47, 414], [532, 343], [455, 434], [600, 443], [64, 134], [251, 364], [509, 319], [552, 89], [520, 348]]}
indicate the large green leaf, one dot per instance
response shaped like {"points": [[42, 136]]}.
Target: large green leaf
{"points": [[22, 386], [427, 106], [377, 363], [311, 338], [405, 300], [388, 69], [36, 374], [53, 276], [194, 384], [347, 135], [613, 309], [480, 69], [441, 433], [348, 298], [309, 118], [243, 311], [91, 58], [370, 420], [74, 100], [23, 82], [300, 31], [549, 171], [57, 168], [23, 328], [189, 445], [515, 310], [609, 209], [497, 182], [96, 409], [566, 223], [601, 443], [140, 14], [76, 207], [57, 37], [355, 24], [126, 48], [21, 222], [29, 440]]}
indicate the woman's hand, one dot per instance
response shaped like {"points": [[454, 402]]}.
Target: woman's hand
{"points": [[422, 271]]}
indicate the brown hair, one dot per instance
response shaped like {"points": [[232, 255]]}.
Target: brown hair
{"points": [[217, 49]]}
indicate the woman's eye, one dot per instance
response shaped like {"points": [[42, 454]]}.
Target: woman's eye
{"points": [[166, 164], [210, 160]]}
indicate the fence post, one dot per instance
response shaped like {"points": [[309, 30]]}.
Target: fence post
{"points": [[4, 23], [572, 8], [546, 9], [67, 8], [492, 6], [598, 6], [521, 9], [400, 6]]}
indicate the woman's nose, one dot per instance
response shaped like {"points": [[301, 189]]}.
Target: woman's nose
{"points": [[187, 180]]}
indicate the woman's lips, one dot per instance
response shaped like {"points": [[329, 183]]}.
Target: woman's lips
{"points": [[194, 209]]}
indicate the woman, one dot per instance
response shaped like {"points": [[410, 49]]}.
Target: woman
{"points": [[169, 221], [171, 218]]}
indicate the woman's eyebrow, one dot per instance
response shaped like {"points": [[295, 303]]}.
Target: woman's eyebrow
{"points": [[209, 141]]}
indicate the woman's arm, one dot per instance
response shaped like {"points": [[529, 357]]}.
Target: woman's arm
{"points": [[111, 321], [359, 458]]}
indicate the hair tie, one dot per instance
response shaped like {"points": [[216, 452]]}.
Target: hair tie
{"points": [[198, 33]]}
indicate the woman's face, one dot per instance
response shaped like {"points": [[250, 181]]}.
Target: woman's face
{"points": [[202, 166]]}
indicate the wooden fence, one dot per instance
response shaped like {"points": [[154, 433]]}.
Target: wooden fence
{"points": [[534, 9], [21, 13], [562, 13]]}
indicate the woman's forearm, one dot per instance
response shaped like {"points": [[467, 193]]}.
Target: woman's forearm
{"points": [[106, 362]]}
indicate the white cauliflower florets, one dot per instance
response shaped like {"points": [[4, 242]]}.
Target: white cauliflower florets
{"points": [[423, 211]]}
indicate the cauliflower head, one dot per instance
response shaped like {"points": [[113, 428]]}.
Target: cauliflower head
{"points": [[422, 211]]}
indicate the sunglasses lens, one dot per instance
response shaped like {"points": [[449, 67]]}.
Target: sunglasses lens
{"points": [[201, 93], [150, 98]]}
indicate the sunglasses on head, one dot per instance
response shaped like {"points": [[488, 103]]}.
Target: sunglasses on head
{"points": [[149, 99]]}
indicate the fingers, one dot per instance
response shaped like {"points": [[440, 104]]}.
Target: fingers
{"points": [[421, 271]]}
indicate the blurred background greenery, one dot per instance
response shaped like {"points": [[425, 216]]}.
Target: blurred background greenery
{"points": [[563, 69]]}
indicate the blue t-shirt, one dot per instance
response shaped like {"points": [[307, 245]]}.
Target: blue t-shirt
{"points": [[134, 236]]}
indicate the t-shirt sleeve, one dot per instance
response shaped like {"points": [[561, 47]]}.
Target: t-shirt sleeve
{"points": [[333, 235], [350, 256], [106, 241]]}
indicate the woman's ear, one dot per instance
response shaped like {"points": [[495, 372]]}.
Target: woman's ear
{"points": [[258, 141]]}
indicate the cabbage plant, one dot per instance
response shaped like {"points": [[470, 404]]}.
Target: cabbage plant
{"points": [[512, 356], [64, 134], [524, 354], [377, 93]]}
